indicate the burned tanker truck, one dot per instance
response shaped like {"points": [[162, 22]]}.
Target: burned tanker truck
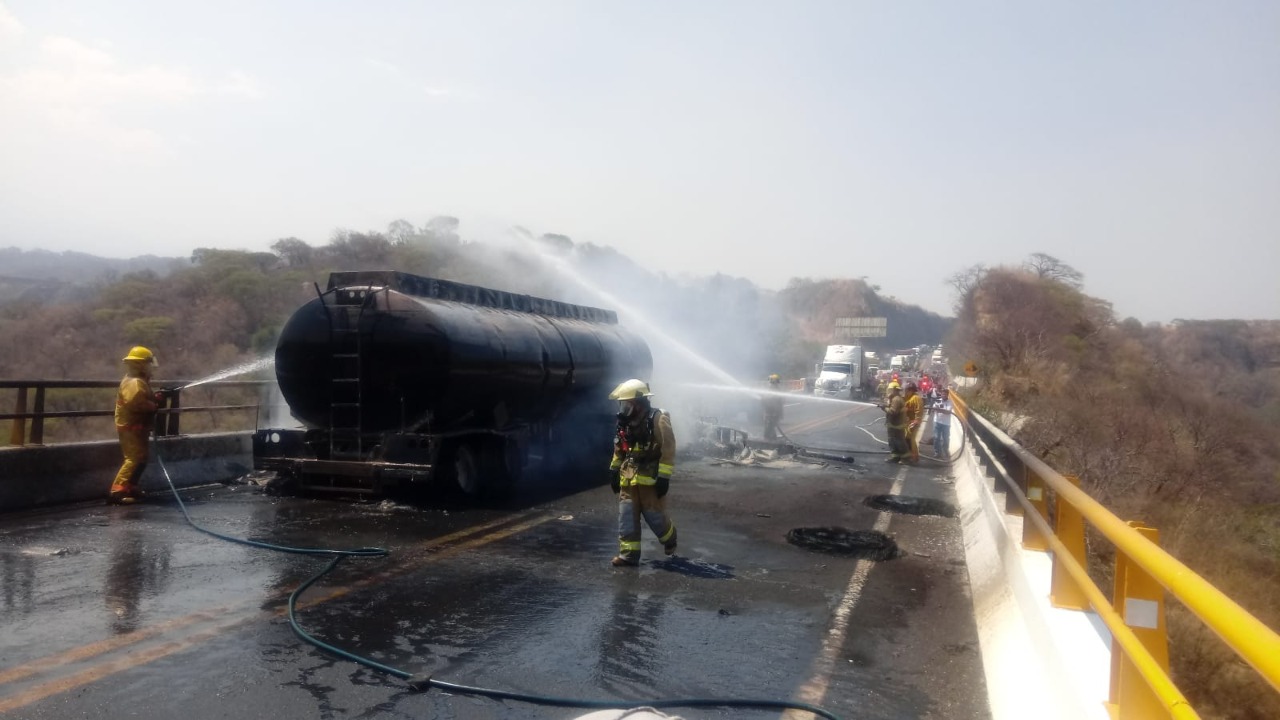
{"points": [[404, 382]]}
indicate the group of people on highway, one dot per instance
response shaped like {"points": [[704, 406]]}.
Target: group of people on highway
{"points": [[905, 411]]}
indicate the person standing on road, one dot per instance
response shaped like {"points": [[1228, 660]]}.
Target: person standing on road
{"points": [[644, 456], [942, 409], [914, 409], [136, 407], [896, 424], [926, 386], [771, 404]]}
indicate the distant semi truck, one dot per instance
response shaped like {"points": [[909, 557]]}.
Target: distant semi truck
{"points": [[840, 373]]}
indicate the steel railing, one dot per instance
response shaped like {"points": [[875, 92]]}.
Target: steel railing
{"points": [[1135, 614], [32, 397]]}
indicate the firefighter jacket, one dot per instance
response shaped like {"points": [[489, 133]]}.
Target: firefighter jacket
{"points": [[895, 414], [135, 404], [644, 449], [914, 407]]}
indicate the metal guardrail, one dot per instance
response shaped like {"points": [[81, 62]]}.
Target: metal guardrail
{"points": [[168, 418], [1135, 614]]}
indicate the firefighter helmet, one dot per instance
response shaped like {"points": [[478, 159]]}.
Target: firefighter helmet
{"points": [[894, 385], [141, 354], [630, 390], [774, 379]]}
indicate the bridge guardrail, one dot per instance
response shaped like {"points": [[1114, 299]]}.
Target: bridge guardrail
{"points": [[168, 418], [1135, 614]]}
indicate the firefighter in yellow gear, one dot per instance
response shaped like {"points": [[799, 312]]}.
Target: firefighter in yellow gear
{"points": [[136, 407], [895, 421], [914, 409], [644, 455], [771, 404]]}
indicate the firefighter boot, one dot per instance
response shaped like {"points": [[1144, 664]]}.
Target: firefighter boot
{"points": [[120, 498]]}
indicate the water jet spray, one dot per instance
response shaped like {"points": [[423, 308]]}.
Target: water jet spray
{"points": [[241, 369], [637, 318]]}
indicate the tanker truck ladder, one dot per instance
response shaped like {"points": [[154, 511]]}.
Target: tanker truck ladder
{"points": [[346, 440]]}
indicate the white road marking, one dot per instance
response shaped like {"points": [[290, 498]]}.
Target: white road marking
{"points": [[814, 691]]}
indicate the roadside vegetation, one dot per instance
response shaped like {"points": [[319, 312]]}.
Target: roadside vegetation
{"points": [[223, 308], [1176, 425]]}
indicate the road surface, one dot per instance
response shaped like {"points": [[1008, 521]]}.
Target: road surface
{"points": [[131, 612]]}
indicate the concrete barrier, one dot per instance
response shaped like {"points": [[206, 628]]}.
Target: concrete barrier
{"points": [[1040, 661], [42, 475]]}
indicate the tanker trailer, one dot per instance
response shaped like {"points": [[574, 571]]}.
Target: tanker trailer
{"points": [[402, 380]]}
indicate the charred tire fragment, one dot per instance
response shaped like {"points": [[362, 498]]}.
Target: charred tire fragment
{"points": [[861, 544], [910, 505]]}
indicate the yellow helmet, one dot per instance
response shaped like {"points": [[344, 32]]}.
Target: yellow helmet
{"points": [[894, 385], [140, 354], [631, 390], [775, 378]]}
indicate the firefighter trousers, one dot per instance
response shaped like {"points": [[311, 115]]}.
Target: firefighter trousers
{"points": [[642, 501], [771, 421], [898, 447], [135, 446]]}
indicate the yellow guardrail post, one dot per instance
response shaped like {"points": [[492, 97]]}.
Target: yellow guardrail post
{"points": [[1032, 538], [18, 426], [1139, 599], [1064, 591]]}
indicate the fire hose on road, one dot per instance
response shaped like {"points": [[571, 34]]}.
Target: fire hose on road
{"points": [[844, 453], [424, 682]]}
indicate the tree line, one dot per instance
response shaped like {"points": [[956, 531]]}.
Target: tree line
{"points": [[219, 307]]}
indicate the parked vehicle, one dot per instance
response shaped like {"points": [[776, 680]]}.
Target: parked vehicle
{"points": [[400, 379]]}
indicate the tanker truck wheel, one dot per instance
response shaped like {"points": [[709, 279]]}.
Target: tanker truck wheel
{"points": [[479, 469]]}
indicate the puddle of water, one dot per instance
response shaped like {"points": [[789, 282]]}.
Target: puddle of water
{"points": [[694, 568]]}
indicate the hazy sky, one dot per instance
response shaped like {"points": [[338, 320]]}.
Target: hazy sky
{"points": [[902, 141]]}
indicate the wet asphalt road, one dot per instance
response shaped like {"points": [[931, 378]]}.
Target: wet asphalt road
{"points": [[130, 612]]}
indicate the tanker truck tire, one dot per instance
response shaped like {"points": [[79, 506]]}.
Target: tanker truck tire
{"points": [[479, 469], [464, 468]]}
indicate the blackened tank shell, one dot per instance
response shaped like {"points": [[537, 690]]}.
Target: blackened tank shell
{"points": [[431, 365]]}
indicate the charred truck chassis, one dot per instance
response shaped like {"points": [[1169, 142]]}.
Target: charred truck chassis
{"points": [[403, 380]]}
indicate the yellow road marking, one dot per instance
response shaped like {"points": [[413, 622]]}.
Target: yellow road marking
{"points": [[110, 667], [814, 424], [436, 549], [85, 652]]}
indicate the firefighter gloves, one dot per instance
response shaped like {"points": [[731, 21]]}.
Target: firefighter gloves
{"points": [[663, 485]]}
